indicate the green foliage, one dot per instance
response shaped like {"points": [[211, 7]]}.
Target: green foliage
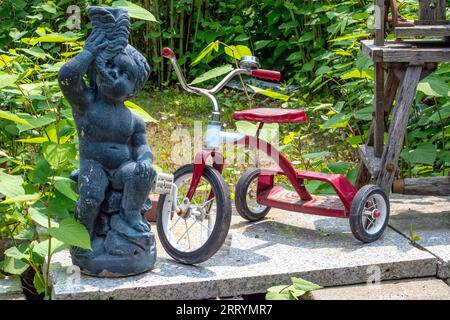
{"points": [[38, 143], [298, 290]]}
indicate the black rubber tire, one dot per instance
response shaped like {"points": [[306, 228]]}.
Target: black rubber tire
{"points": [[240, 196], [221, 226], [356, 211]]}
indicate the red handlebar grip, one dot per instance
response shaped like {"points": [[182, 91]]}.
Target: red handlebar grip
{"points": [[267, 74], [167, 53]]}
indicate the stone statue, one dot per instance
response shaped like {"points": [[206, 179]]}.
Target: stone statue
{"points": [[116, 172]]}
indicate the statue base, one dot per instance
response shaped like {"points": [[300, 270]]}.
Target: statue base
{"points": [[118, 250], [106, 265]]}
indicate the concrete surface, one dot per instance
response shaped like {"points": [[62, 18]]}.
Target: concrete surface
{"points": [[11, 289], [418, 289], [268, 253]]}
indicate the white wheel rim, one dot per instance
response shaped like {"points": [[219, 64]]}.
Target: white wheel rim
{"points": [[251, 197], [374, 214], [190, 233]]}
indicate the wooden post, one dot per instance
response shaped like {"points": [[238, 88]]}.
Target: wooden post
{"points": [[379, 110], [431, 12], [379, 22], [363, 176], [397, 128], [390, 89]]}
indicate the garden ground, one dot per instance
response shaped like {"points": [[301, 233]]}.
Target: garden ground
{"points": [[287, 244]]}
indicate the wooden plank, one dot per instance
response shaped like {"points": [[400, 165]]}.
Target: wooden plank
{"points": [[403, 52], [423, 31], [433, 186], [371, 162], [378, 115], [379, 22], [397, 128]]}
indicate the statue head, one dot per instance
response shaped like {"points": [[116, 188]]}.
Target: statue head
{"points": [[119, 72], [122, 76]]}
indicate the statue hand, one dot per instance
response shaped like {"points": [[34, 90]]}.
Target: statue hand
{"points": [[144, 169], [95, 42]]}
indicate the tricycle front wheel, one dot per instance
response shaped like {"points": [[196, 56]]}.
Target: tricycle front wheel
{"points": [[369, 213], [197, 233]]}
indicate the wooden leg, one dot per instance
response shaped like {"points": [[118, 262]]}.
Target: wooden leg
{"points": [[390, 90], [397, 128], [379, 110], [363, 176]]}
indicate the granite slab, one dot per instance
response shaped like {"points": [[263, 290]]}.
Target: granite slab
{"points": [[416, 289], [262, 254], [427, 218], [11, 289]]}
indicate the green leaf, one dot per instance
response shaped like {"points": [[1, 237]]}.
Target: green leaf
{"points": [[356, 74], [22, 198], [351, 36], [39, 214], [39, 285], [317, 155], [14, 266], [34, 123], [38, 140], [434, 86], [58, 154], [213, 73], [49, 8], [206, 52], [278, 293], [65, 188], [11, 185], [139, 111], [238, 51], [267, 133], [72, 233], [12, 117], [15, 253], [134, 10], [42, 247], [271, 94], [424, 153], [37, 52], [364, 114], [339, 120], [7, 80], [301, 284], [262, 44], [55, 38]]}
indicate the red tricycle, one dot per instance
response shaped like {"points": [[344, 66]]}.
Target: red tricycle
{"points": [[194, 220]]}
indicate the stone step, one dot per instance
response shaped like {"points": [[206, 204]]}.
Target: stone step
{"points": [[11, 289], [418, 289]]}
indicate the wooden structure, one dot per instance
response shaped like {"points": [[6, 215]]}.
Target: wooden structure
{"points": [[399, 66]]}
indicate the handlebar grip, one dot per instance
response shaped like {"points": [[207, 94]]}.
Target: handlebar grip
{"points": [[168, 53], [267, 74]]}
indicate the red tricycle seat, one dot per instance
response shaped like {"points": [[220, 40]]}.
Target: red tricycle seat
{"points": [[271, 115]]}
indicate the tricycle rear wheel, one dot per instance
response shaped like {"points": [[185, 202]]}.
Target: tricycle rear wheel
{"points": [[246, 197], [369, 213]]}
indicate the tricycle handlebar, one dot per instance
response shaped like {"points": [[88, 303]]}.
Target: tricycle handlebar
{"points": [[259, 73]]}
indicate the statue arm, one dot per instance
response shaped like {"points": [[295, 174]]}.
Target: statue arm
{"points": [[70, 78], [141, 150]]}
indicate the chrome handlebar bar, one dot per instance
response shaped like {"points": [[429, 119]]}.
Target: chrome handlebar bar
{"points": [[168, 53]]}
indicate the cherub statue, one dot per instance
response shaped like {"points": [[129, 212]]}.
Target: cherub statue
{"points": [[114, 153]]}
